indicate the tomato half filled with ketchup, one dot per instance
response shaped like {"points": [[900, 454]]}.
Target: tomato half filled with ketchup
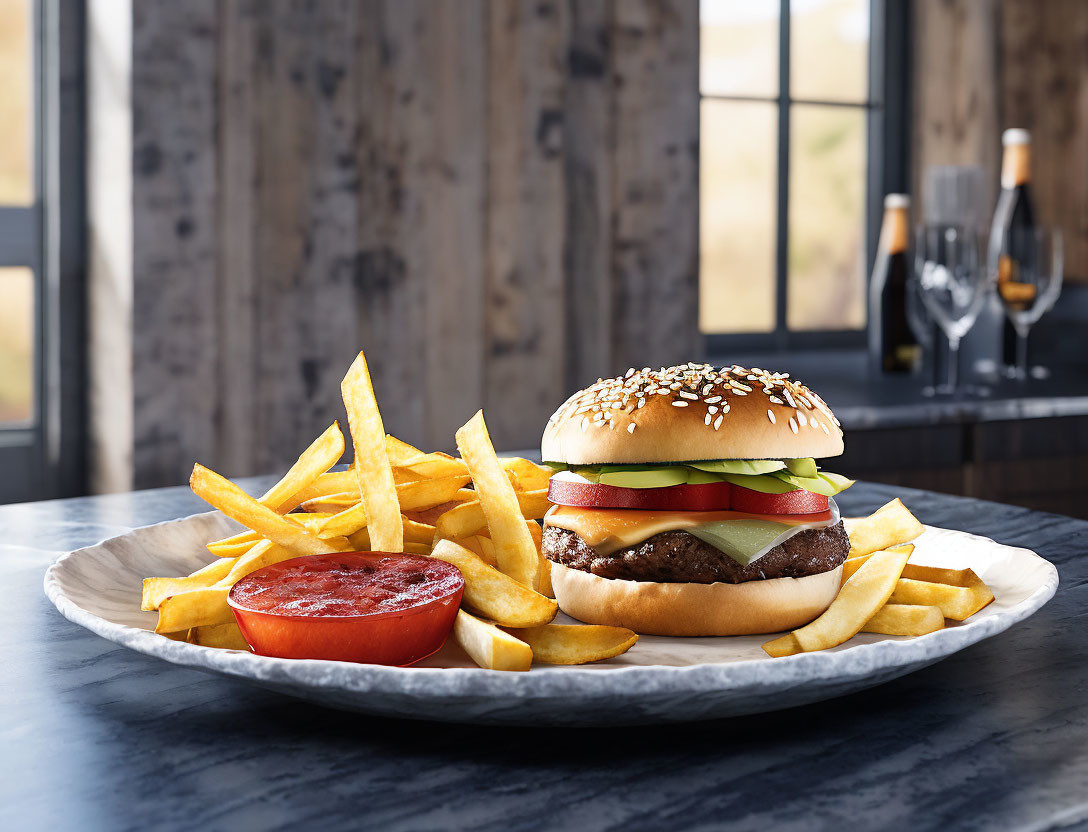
{"points": [[714, 496], [370, 607]]}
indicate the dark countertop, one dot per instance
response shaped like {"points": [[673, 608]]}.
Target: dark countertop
{"points": [[94, 736], [883, 401], [864, 400]]}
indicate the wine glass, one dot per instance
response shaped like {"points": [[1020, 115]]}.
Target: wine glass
{"points": [[1027, 269], [951, 284]]}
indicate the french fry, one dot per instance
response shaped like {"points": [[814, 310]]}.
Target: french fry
{"points": [[889, 525], [156, 590], [857, 602], [330, 504], [490, 647], [417, 534], [434, 466], [263, 554], [236, 504], [493, 594], [852, 565], [239, 544], [360, 542], [544, 576], [477, 544], [410, 496], [530, 476], [399, 451], [200, 607], [331, 482], [235, 545], [312, 520], [223, 636], [468, 518], [544, 581], [959, 593], [195, 608], [323, 453], [371, 466], [905, 620], [514, 548], [956, 602], [430, 515], [576, 643]]}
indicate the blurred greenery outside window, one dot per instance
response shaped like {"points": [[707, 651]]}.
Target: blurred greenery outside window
{"points": [[785, 189]]}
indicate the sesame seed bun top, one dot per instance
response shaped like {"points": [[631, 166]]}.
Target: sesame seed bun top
{"points": [[691, 412]]}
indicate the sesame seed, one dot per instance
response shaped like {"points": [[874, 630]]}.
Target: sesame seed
{"points": [[770, 415], [826, 431], [775, 399], [686, 395], [585, 423], [679, 404], [706, 421], [631, 428], [725, 408], [641, 402], [718, 422], [793, 424], [630, 372], [801, 418], [713, 400], [789, 398], [712, 409], [740, 393]]}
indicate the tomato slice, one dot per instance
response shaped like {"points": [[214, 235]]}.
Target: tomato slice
{"points": [[792, 502], [711, 496], [714, 496], [370, 607]]}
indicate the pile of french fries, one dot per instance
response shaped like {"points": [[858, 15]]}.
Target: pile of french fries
{"points": [[478, 512], [883, 593]]}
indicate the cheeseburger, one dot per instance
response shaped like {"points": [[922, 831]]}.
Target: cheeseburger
{"points": [[688, 502]]}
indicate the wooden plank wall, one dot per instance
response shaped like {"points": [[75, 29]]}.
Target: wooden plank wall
{"points": [[496, 199], [983, 65]]}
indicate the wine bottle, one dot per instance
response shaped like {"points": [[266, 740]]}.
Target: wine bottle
{"points": [[892, 345], [1014, 222]]}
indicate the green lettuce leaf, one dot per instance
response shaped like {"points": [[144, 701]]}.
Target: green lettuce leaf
{"points": [[769, 476], [747, 467], [740, 539]]}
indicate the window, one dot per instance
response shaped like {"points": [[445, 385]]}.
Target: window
{"points": [[801, 135], [40, 256]]}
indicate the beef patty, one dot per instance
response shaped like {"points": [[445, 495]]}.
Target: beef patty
{"points": [[678, 557]]}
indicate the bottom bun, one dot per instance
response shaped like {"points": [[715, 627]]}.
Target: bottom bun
{"points": [[767, 606]]}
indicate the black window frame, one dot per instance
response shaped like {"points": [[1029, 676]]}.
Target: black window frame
{"points": [[887, 168], [45, 458]]}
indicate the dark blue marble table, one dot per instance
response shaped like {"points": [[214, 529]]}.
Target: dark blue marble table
{"points": [[93, 736]]}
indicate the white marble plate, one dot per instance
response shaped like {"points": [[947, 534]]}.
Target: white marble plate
{"points": [[659, 680]]}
